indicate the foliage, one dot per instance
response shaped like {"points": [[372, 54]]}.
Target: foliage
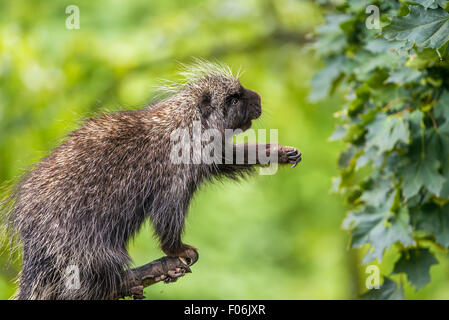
{"points": [[394, 172]]}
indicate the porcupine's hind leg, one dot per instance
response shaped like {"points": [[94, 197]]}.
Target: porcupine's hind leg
{"points": [[44, 277]]}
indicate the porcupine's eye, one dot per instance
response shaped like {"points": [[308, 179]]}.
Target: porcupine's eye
{"points": [[234, 101]]}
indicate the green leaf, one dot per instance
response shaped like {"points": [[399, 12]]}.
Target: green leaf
{"points": [[416, 264], [421, 170], [438, 144], [426, 58], [441, 108], [381, 45], [367, 156], [434, 220], [415, 122], [346, 157], [378, 191], [367, 61], [386, 131], [388, 291], [403, 75], [433, 4], [387, 92], [445, 190], [338, 134], [331, 39], [424, 173], [427, 28], [380, 228], [323, 80]]}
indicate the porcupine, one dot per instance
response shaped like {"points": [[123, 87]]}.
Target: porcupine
{"points": [[81, 204]]}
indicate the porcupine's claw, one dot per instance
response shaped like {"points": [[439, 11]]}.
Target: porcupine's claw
{"points": [[189, 255], [173, 275], [294, 157]]}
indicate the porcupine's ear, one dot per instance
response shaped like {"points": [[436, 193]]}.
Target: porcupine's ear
{"points": [[205, 105]]}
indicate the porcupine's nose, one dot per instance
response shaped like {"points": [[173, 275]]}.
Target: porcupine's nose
{"points": [[254, 107]]}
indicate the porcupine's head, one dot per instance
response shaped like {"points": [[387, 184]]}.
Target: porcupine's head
{"points": [[218, 96]]}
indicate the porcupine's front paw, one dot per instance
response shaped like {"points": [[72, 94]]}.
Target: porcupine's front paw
{"points": [[289, 155]]}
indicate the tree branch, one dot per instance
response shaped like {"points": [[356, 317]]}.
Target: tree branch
{"points": [[167, 269]]}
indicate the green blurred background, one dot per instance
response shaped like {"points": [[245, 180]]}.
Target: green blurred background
{"points": [[273, 237]]}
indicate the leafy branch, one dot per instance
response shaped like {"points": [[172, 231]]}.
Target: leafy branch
{"points": [[396, 124]]}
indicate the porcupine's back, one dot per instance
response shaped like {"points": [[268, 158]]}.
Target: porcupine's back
{"points": [[78, 207]]}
